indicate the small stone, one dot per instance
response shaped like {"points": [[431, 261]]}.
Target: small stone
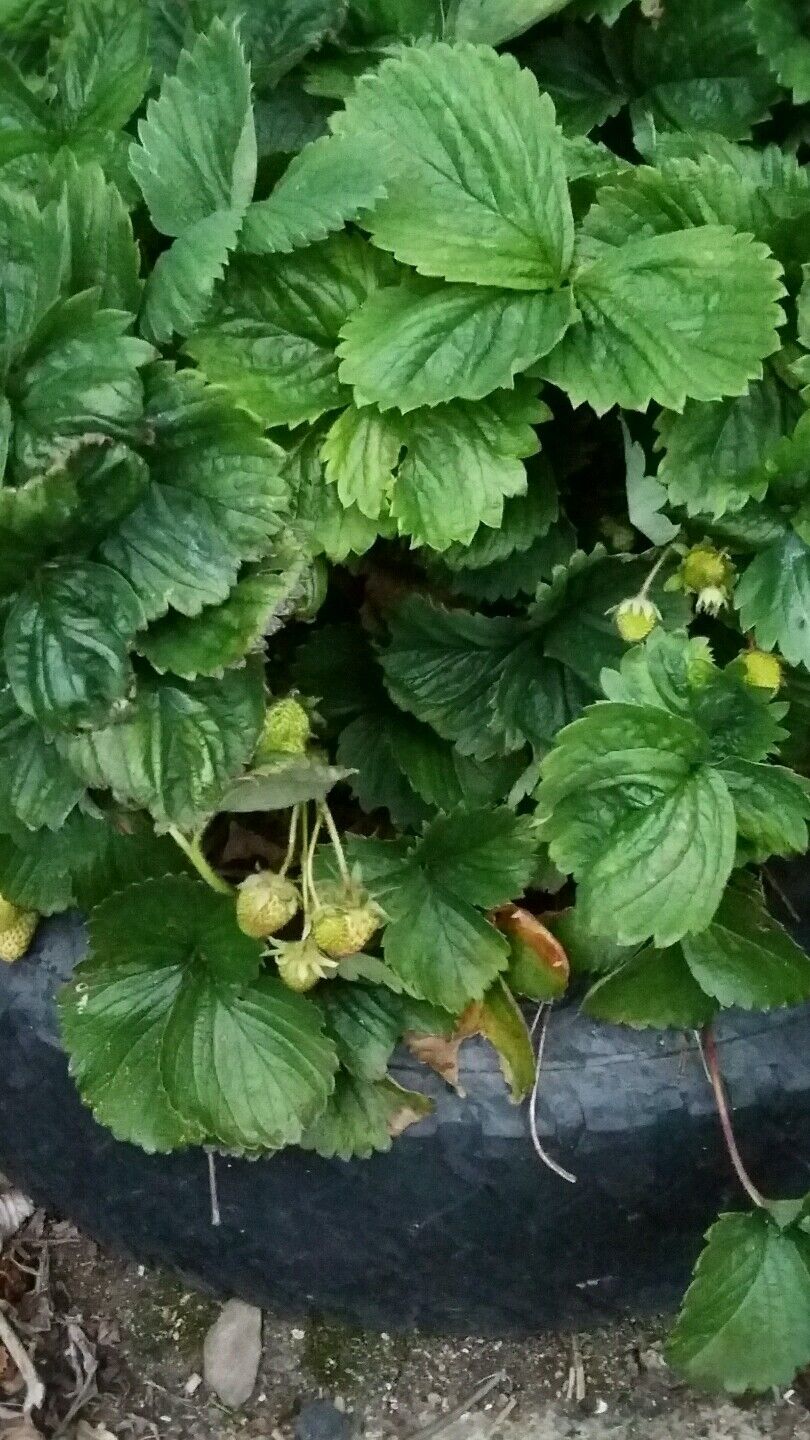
{"points": [[193, 1384], [321, 1420], [232, 1351]]}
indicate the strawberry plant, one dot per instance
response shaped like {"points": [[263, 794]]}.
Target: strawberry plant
{"points": [[405, 403]]}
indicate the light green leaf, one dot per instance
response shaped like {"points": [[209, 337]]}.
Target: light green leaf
{"points": [[745, 957], [66, 644], [420, 343], [745, 1321], [499, 1019], [700, 69], [278, 784], [442, 949], [175, 1037], [271, 340], [646, 496], [332, 528], [526, 518], [483, 205], [329, 183], [216, 500], [690, 314], [716, 456], [360, 452], [177, 747], [780, 27], [180, 288], [631, 807], [492, 22], [653, 989], [361, 1117], [102, 65], [222, 635], [197, 150], [461, 462], [773, 598]]}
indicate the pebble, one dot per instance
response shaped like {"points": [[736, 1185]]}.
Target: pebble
{"points": [[321, 1420], [232, 1351]]}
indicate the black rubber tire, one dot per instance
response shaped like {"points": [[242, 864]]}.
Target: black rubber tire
{"points": [[459, 1227]]}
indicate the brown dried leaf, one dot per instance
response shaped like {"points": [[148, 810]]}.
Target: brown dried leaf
{"points": [[414, 1107], [538, 966], [15, 1209], [439, 1054]]}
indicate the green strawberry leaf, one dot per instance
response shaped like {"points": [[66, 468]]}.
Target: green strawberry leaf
{"points": [[362, 1116], [572, 69], [421, 342], [177, 746], [745, 957], [222, 635], [491, 209], [745, 1322], [442, 949], [691, 314], [773, 598], [102, 65], [781, 35], [360, 452], [631, 806], [181, 286], [103, 250], [197, 150], [485, 856], [772, 806], [653, 989], [66, 644], [329, 183], [36, 785], [153, 1013]]}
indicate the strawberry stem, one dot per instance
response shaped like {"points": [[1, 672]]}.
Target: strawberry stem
{"points": [[193, 851], [708, 1050], [334, 836]]}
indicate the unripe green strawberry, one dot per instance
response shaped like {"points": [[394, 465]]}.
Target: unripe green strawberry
{"points": [[345, 929], [16, 935], [266, 902], [636, 618], [301, 964], [286, 730], [705, 568], [9, 914], [761, 670]]}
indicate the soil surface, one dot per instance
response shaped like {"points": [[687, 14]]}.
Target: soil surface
{"points": [[119, 1350]]}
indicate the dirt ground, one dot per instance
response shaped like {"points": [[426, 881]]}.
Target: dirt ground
{"points": [[118, 1348]]}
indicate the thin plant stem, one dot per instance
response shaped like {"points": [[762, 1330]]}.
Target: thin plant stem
{"points": [[193, 850], [316, 830], [646, 587], [303, 854], [337, 844], [542, 1018], [293, 836], [213, 1191], [708, 1050]]}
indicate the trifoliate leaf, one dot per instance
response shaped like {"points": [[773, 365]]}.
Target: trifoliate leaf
{"points": [[773, 598], [653, 989], [66, 644], [271, 340], [745, 957], [632, 808], [441, 948], [461, 462], [772, 806], [690, 314], [362, 1116], [444, 666], [102, 65], [35, 783], [745, 1321], [488, 207], [485, 856], [177, 746], [103, 250], [360, 453], [700, 69], [197, 150], [716, 456], [222, 635], [173, 1034], [781, 36], [328, 184], [422, 342], [216, 499], [180, 288]]}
